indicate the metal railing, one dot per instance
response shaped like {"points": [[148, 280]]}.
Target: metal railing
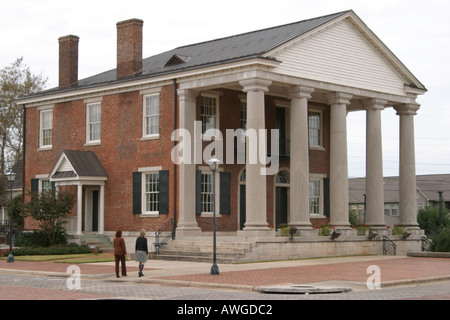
{"points": [[164, 234], [389, 247], [425, 244]]}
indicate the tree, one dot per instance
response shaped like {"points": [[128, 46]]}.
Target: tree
{"points": [[50, 209], [16, 80]]}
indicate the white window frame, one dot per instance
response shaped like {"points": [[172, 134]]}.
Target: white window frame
{"points": [[146, 117], [320, 129], [319, 178], [89, 124], [42, 112], [146, 172], [205, 135], [207, 171]]}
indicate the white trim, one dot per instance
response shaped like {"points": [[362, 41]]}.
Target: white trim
{"points": [[151, 136], [90, 142], [41, 113]]}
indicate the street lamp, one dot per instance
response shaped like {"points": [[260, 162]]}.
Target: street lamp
{"points": [[213, 164], [11, 176]]}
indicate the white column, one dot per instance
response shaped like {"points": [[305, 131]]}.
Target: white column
{"points": [[299, 165], [338, 159], [187, 221], [256, 206], [374, 164], [101, 220], [79, 208], [407, 183]]}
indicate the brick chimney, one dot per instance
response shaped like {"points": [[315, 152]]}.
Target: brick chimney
{"points": [[129, 48], [68, 61]]}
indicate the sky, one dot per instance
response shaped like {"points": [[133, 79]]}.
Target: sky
{"points": [[416, 31]]}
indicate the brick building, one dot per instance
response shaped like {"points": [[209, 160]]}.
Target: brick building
{"points": [[110, 138]]}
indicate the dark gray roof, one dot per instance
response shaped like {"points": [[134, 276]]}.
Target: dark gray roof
{"points": [[85, 164], [235, 48], [429, 185]]}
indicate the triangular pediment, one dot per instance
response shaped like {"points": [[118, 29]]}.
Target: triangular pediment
{"points": [[347, 53], [73, 165]]}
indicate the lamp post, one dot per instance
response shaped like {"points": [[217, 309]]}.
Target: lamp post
{"points": [[213, 164], [11, 176]]}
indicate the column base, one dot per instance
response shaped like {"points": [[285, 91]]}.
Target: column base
{"points": [[188, 231], [256, 233]]}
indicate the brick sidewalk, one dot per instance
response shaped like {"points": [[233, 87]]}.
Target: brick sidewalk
{"points": [[395, 269], [391, 270]]}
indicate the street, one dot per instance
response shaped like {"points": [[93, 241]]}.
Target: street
{"points": [[23, 287]]}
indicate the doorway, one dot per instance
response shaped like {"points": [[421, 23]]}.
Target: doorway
{"points": [[242, 215], [281, 198], [92, 210]]}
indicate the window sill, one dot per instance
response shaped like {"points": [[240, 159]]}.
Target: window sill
{"points": [[92, 144], [209, 215], [152, 137], [45, 148], [150, 215]]}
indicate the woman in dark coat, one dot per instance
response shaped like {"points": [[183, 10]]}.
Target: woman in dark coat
{"points": [[141, 251], [120, 251]]}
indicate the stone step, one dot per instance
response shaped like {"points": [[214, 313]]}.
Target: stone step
{"points": [[202, 251], [100, 242]]}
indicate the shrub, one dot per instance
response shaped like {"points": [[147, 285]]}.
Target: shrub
{"points": [[326, 231], [398, 231], [53, 250], [441, 243]]}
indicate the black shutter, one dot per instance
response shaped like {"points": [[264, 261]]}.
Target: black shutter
{"points": [[164, 192], [137, 193], [34, 188], [225, 178], [326, 197], [198, 192]]}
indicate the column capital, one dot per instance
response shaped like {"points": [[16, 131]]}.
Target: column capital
{"points": [[374, 104], [407, 109], [338, 98], [187, 94], [299, 92], [255, 84]]}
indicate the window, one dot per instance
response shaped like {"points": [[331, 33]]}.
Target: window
{"points": [[315, 129], [46, 129], [391, 209], [94, 121], [45, 185], [151, 116], [315, 196], [206, 193], [209, 112], [151, 192], [244, 115]]}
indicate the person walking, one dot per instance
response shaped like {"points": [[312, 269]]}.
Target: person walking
{"points": [[120, 251], [141, 251]]}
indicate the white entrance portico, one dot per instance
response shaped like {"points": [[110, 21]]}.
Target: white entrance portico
{"points": [[83, 170]]}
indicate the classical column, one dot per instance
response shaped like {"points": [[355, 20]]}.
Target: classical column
{"points": [[187, 221], [338, 159], [374, 164], [101, 222], [407, 182], [299, 167], [255, 192], [79, 208]]}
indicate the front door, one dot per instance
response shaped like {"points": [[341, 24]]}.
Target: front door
{"points": [[92, 210], [281, 206]]}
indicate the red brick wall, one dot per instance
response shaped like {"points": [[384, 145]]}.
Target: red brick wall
{"points": [[122, 152]]}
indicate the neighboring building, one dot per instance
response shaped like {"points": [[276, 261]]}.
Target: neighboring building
{"points": [[108, 138], [17, 188], [427, 193]]}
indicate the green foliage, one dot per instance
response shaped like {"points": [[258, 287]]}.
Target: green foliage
{"points": [[326, 231], [441, 243], [430, 220], [353, 218], [50, 210], [53, 250], [398, 231]]}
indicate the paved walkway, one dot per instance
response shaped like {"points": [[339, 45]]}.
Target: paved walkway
{"points": [[347, 271]]}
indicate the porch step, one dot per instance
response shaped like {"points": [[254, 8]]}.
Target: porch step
{"points": [[202, 251], [98, 241]]}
